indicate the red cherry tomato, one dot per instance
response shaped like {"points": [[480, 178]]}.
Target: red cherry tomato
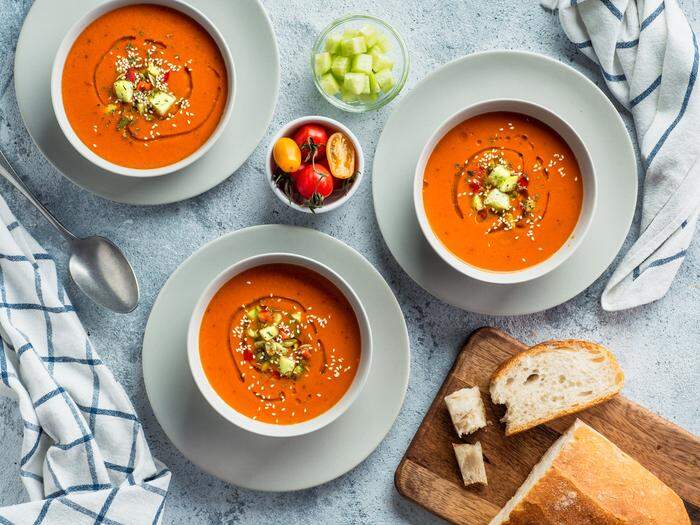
{"points": [[313, 182], [311, 139]]}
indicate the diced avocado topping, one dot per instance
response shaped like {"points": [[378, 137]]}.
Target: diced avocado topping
{"points": [[286, 365], [497, 200], [124, 91], [153, 71], [162, 102], [269, 332]]}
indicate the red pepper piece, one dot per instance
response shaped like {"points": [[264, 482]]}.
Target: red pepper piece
{"points": [[166, 76], [475, 185], [247, 355], [131, 74]]}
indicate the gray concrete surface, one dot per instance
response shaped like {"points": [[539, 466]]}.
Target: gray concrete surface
{"points": [[658, 345]]}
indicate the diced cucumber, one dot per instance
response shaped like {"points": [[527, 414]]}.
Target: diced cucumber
{"points": [[355, 83], [374, 86], [349, 98], [497, 200], [379, 60], [124, 91], [353, 46], [509, 184], [297, 317], [162, 102], [333, 43], [329, 84], [322, 63], [385, 78], [370, 34], [369, 98], [350, 32], [153, 71], [339, 66], [384, 43], [477, 203], [362, 64]]}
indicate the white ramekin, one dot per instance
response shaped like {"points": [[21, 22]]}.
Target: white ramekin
{"points": [[587, 208], [57, 77], [228, 412], [333, 126]]}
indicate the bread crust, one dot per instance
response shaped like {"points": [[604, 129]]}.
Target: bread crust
{"points": [[591, 481], [545, 346]]}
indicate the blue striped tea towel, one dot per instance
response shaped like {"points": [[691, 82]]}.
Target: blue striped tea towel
{"points": [[648, 54], [84, 456]]}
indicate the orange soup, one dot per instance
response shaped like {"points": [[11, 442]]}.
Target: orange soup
{"points": [[502, 191], [144, 86], [280, 343]]}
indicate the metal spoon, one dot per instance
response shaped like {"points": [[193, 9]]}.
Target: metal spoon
{"points": [[96, 265]]}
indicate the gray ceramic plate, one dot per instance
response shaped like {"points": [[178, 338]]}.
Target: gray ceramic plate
{"points": [[495, 75], [249, 34], [250, 460]]}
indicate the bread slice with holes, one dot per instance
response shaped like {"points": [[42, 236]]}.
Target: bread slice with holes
{"points": [[553, 379]]}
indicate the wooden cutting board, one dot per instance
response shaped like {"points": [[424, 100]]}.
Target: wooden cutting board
{"points": [[428, 473]]}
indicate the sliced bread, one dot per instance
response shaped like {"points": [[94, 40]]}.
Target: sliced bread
{"points": [[585, 479], [553, 379]]}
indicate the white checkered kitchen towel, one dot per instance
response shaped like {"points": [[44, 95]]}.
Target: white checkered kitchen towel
{"points": [[84, 456], [648, 55]]}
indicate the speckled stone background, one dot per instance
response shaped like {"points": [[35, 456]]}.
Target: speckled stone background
{"points": [[658, 345]]}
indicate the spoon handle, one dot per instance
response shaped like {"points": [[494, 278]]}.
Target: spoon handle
{"points": [[7, 171]]}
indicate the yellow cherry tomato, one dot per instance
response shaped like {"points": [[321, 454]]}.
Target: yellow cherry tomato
{"points": [[340, 154], [287, 155]]}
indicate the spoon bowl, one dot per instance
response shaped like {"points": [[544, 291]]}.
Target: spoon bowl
{"points": [[96, 265], [101, 271]]}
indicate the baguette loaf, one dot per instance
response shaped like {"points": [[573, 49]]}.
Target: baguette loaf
{"points": [[584, 479], [553, 379]]}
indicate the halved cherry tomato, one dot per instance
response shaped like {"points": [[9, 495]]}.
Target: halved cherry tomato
{"points": [[341, 156], [314, 182], [311, 139], [287, 155]]}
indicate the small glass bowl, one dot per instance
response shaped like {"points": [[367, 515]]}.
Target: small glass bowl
{"points": [[398, 53]]}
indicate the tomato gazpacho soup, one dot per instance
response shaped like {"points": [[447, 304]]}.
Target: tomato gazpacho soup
{"points": [[280, 343], [502, 191], [144, 86]]}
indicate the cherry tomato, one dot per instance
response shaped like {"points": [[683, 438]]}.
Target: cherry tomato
{"points": [[340, 154], [311, 139], [314, 182], [287, 155]]}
